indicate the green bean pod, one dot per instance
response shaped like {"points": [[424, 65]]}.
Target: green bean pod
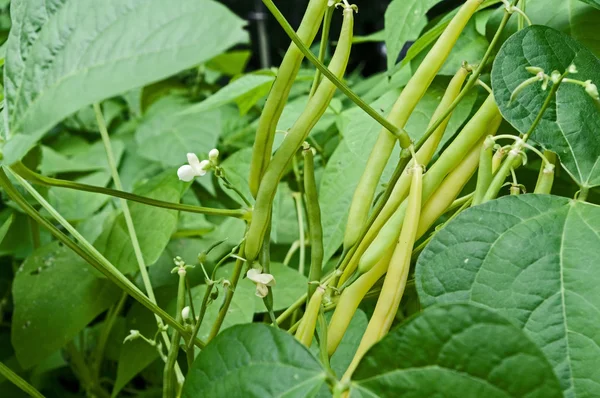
{"points": [[314, 221], [397, 275], [350, 300], [485, 172], [487, 117], [497, 159], [306, 329], [315, 109], [512, 160], [399, 115], [449, 190], [288, 70], [546, 176], [424, 156]]}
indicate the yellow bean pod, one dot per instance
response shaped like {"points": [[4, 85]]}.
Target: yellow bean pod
{"points": [[306, 329]]}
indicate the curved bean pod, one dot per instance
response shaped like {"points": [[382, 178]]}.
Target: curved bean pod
{"points": [[315, 109], [263, 143], [397, 275], [485, 173], [401, 111], [487, 117], [546, 176], [306, 329]]}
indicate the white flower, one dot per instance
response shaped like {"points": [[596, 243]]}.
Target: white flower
{"points": [[213, 155], [261, 280], [185, 313], [572, 69], [194, 168], [592, 90]]}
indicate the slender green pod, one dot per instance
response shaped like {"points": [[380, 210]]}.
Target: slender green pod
{"points": [[315, 109], [306, 329], [546, 176], [424, 155], [497, 159], [263, 143], [512, 160], [396, 277], [350, 300], [401, 111], [314, 221], [486, 119], [449, 190], [485, 172]]}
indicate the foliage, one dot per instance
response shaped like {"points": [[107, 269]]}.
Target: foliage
{"points": [[160, 223]]}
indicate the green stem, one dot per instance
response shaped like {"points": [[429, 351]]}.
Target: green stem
{"points": [[235, 277], [190, 345], [39, 179], [323, 48], [35, 233], [86, 251], [402, 135], [109, 322], [170, 388], [83, 372], [19, 382], [300, 213], [322, 333], [265, 262], [112, 163]]}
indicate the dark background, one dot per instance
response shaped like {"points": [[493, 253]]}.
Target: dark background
{"points": [[370, 57]]}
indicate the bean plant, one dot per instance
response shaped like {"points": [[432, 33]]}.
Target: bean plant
{"points": [[175, 225]]}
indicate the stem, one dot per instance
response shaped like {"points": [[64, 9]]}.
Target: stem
{"points": [[109, 322], [35, 233], [229, 185], [169, 386], [190, 345], [322, 334], [83, 372], [265, 262], [18, 381], [398, 132], [86, 251], [39, 179], [324, 46], [235, 277], [129, 222]]}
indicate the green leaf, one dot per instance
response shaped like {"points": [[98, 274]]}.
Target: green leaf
{"points": [[255, 361], [344, 354], [350, 157], [404, 20], [246, 90], [99, 50], [56, 295], [456, 351], [169, 131], [77, 205], [5, 227], [231, 63], [595, 3], [115, 243], [79, 159], [533, 259], [570, 125], [236, 169]]}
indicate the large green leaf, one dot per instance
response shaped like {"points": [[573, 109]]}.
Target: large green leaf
{"points": [[99, 49], [570, 126], [153, 226], [404, 20], [350, 157], [595, 3], [56, 295], [533, 258], [169, 131], [573, 17], [457, 351], [254, 361]]}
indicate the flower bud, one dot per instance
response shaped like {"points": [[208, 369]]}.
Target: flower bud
{"points": [[213, 155], [572, 69], [555, 76], [592, 90], [185, 314], [133, 334]]}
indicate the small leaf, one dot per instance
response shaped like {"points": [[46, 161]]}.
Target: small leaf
{"points": [[456, 351], [404, 20], [58, 47], [569, 127], [532, 258], [56, 295], [170, 130], [254, 361], [115, 243], [5, 227]]}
